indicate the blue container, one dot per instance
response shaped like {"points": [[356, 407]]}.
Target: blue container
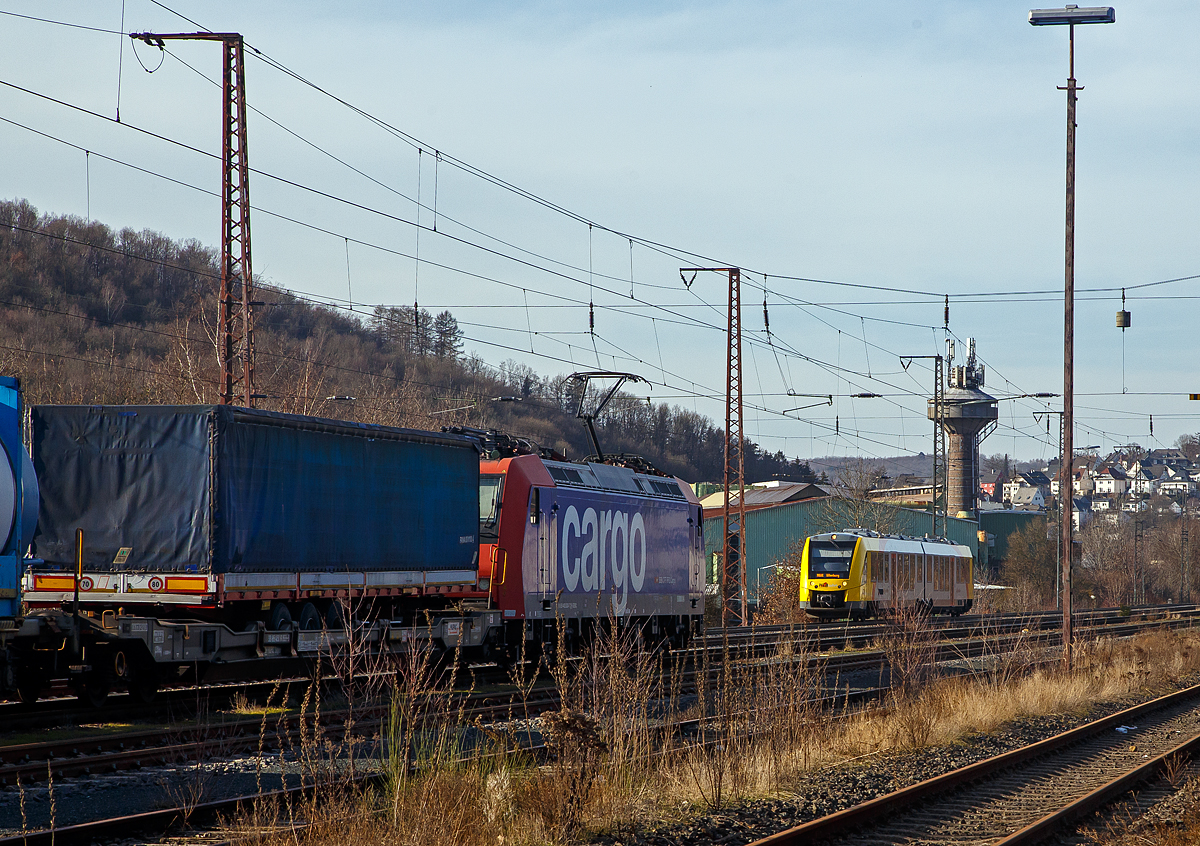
{"points": [[18, 498], [219, 489]]}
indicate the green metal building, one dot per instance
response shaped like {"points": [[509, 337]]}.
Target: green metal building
{"points": [[1000, 524]]}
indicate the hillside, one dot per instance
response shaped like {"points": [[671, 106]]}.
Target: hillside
{"points": [[92, 315]]}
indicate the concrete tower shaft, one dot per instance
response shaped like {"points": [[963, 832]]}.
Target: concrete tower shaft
{"points": [[965, 414]]}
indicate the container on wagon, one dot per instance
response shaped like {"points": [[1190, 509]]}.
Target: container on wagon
{"points": [[202, 504]]}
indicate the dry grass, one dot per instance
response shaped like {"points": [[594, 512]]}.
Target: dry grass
{"points": [[611, 765]]}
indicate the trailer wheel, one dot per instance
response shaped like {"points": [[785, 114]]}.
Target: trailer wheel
{"points": [[281, 617], [310, 618], [335, 617]]}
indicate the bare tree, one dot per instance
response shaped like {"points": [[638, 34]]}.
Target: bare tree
{"points": [[1029, 566], [850, 508]]}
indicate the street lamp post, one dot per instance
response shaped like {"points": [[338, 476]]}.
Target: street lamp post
{"points": [[1069, 16]]}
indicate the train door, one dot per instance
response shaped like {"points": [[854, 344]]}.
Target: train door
{"points": [[883, 578], [540, 575], [941, 594], [492, 557], [908, 589], [962, 578]]}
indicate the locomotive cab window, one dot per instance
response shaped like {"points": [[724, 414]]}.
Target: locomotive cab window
{"points": [[490, 488], [830, 559]]}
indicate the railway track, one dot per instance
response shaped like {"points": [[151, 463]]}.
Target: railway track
{"points": [[61, 709], [38, 761], [1024, 796], [35, 762]]}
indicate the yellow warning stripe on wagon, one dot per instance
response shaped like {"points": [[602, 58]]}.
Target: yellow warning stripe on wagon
{"points": [[187, 584], [54, 582]]}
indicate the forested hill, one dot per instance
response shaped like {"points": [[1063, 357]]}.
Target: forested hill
{"points": [[89, 315]]}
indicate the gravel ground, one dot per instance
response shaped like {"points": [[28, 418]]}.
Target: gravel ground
{"points": [[832, 789], [820, 793], [102, 796], [1158, 811]]}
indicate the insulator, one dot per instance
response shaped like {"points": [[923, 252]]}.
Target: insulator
{"points": [[591, 318]]}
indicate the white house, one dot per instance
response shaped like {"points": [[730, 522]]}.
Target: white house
{"points": [[1031, 479], [1144, 478], [1169, 457], [1081, 483], [1111, 481], [1179, 485], [1028, 496]]}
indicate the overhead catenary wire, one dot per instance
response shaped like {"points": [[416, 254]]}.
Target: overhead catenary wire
{"points": [[593, 305]]}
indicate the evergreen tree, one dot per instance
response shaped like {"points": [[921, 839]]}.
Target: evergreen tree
{"points": [[447, 337]]}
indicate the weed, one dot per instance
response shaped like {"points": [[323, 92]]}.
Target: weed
{"points": [[615, 760]]}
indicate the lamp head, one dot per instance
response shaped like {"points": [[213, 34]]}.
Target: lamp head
{"points": [[1073, 15]]}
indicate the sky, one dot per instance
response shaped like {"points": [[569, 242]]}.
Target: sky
{"points": [[513, 162]]}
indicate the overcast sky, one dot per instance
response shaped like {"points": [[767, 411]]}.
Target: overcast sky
{"points": [[914, 146]]}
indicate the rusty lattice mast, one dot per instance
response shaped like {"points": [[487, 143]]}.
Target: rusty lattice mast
{"points": [[235, 329], [734, 596]]}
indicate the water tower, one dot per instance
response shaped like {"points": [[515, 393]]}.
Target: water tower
{"points": [[967, 415]]}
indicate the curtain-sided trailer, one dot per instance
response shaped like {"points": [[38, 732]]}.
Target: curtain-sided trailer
{"points": [[246, 514], [222, 542]]}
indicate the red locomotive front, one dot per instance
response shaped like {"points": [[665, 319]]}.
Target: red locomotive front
{"points": [[586, 546]]}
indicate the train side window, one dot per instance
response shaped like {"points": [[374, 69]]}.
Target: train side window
{"points": [[490, 489], [535, 505]]}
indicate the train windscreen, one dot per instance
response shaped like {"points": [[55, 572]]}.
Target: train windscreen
{"points": [[830, 559], [490, 488]]}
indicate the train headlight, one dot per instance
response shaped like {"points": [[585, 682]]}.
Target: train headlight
{"points": [[484, 584]]}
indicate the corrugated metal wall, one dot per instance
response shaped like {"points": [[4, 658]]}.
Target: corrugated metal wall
{"points": [[1004, 523], [771, 532]]}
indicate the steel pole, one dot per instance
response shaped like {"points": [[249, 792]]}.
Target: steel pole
{"points": [[733, 565], [1066, 487]]}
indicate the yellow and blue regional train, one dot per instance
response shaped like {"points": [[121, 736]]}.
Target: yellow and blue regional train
{"points": [[860, 574]]}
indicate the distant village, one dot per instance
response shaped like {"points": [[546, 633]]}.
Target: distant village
{"points": [[1115, 488]]}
